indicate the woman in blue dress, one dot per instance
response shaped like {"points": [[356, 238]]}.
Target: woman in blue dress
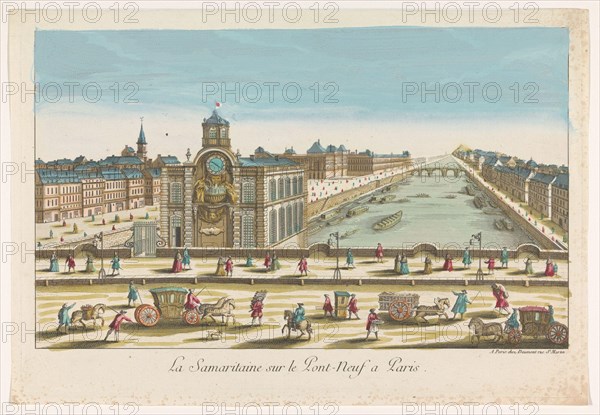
{"points": [[54, 263], [466, 258], [404, 265]]}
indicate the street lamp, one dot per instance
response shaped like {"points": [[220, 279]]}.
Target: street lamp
{"points": [[477, 237], [100, 237], [337, 275]]}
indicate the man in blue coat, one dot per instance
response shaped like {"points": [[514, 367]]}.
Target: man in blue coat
{"points": [[460, 306], [64, 319], [299, 314]]}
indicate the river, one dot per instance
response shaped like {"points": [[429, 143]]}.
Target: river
{"points": [[447, 217]]}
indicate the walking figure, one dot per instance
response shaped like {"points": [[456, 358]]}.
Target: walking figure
{"points": [[89, 264], [64, 318], [327, 307], [428, 268], [115, 264], [379, 253], [504, 258], [491, 265], [500, 294], [187, 260], [372, 324], [177, 263], [528, 266], [229, 267], [460, 306], [132, 295], [220, 272], [267, 262], [349, 259], [303, 266], [256, 310], [54, 263], [115, 325], [466, 259], [353, 307], [549, 272], [70, 263], [448, 263]]}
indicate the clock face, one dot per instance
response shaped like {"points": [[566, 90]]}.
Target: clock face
{"points": [[215, 164]]}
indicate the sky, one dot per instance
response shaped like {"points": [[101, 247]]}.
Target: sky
{"points": [[361, 87]]}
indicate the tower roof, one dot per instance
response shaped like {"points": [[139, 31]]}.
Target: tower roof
{"points": [[142, 136], [216, 119], [316, 148]]}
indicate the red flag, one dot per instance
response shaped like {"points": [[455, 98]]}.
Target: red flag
{"points": [[218, 104]]}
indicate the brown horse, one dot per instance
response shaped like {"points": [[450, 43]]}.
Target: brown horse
{"points": [[439, 309], [304, 326], [95, 313], [479, 328]]}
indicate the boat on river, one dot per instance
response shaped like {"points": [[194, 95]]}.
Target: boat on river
{"points": [[388, 222], [330, 214], [508, 224], [479, 201], [314, 229], [422, 195], [335, 221], [349, 233], [390, 188], [403, 200], [450, 197], [359, 210], [498, 224]]}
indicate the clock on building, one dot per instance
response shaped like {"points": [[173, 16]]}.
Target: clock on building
{"points": [[215, 164]]}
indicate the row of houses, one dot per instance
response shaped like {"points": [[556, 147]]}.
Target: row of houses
{"points": [[327, 162], [544, 187], [74, 188]]}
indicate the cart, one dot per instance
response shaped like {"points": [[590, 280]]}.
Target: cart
{"points": [[168, 303], [537, 321], [398, 305]]}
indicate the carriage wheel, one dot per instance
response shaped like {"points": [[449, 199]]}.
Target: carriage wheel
{"points": [[558, 333], [514, 336], [191, 317], [399, 310], [147, 315], [531, 329]]}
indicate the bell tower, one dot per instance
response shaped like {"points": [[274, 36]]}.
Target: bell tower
{"points": [[215, 132], [141, 142]]}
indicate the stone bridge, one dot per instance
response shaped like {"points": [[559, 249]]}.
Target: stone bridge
{"points": [[429, 170]]}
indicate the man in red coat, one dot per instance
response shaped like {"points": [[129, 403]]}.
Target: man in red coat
{"points": [[267, 262], [327, 307], [70, 262], [500, 294], [115, 325], [256, 309], [229, 267], [379, 253], [353, 307], [191, 301], [372, 321], [303, 266], [491, 265]]}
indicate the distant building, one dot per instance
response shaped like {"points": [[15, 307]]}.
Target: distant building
{"points": [[540, 193], [560, 201]]}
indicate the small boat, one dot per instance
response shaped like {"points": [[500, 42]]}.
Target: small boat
{"points": [[390, 188], [498, 224], [492, 204], [403, 200], [450, 197], [479, 201], [359, 210], [387, 198], [328, 215], [508, 225], [335, 221], [388, 222], [349, 233], [314, 229], [422, 195]]}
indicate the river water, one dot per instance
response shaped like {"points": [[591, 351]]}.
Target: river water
{"points": [[447, 218]]}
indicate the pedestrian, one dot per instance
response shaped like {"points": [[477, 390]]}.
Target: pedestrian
{"points": [[115, 325], [177, 263], [267, 262], [504, 258], [551, 312], [192, 302], [229, 267], [114, 228], [249, 261], [70, 263], [62, 239], [64, 318], [500, 294], [103, 221], [89, 264], [404, 265], [275, 264], [428, 268], [448, 263], [466, 258], [372, 324], [528, 266], [349, 258], [54, 262], [460, 306], [132, 294], [51, 234], [327, 307], [353, 307], [379, 253], [549, 272], [64, 223], [303, 266], [491, 264], [115, 264], [256, 310], [555, 269], [187, 260], [397, 263], [220, 272]]}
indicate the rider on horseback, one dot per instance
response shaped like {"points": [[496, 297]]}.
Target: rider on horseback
{"points": [[299, 315]]}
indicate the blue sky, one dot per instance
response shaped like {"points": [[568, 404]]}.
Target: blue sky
{"points": [[367, 65]]}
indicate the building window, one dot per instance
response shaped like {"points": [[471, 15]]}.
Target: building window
{"points": [[272, 190], [247, 231], [289, 221], [248, 192], [300, 216], [300, 185], [176, 196], [223, 132], [288, 187], [212, 132], [273, 227], [295, 186], [281, 223], [280, 187]]}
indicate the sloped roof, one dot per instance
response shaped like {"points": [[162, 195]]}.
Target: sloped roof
{"points": [[120, 160], [342, 148], [141, 136], [132, 173], [543, 178], [266, 162], [316, 148], [169, 159], [562, 181], [331, 148], [50, 176], [216, 119], [154, 172], [112, 174]]}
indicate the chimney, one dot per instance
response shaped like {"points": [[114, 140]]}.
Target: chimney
{"points": [[252, 157]]}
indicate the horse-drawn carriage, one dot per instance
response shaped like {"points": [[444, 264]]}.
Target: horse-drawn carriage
{"points": [[169, 303], [538, 321], [401, 306]]}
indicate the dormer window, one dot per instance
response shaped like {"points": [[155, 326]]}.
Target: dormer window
{"points": [[223, 132], [212, 132]]}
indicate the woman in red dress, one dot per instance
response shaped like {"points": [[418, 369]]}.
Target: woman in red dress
{"points": [[267, 262], [327, 307], [491, 265], [549, 272], [229, 267], [353, 307], [448, 263], [177, 266]]}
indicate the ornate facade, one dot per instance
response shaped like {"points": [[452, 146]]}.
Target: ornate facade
{"points": [[221, 199]]}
